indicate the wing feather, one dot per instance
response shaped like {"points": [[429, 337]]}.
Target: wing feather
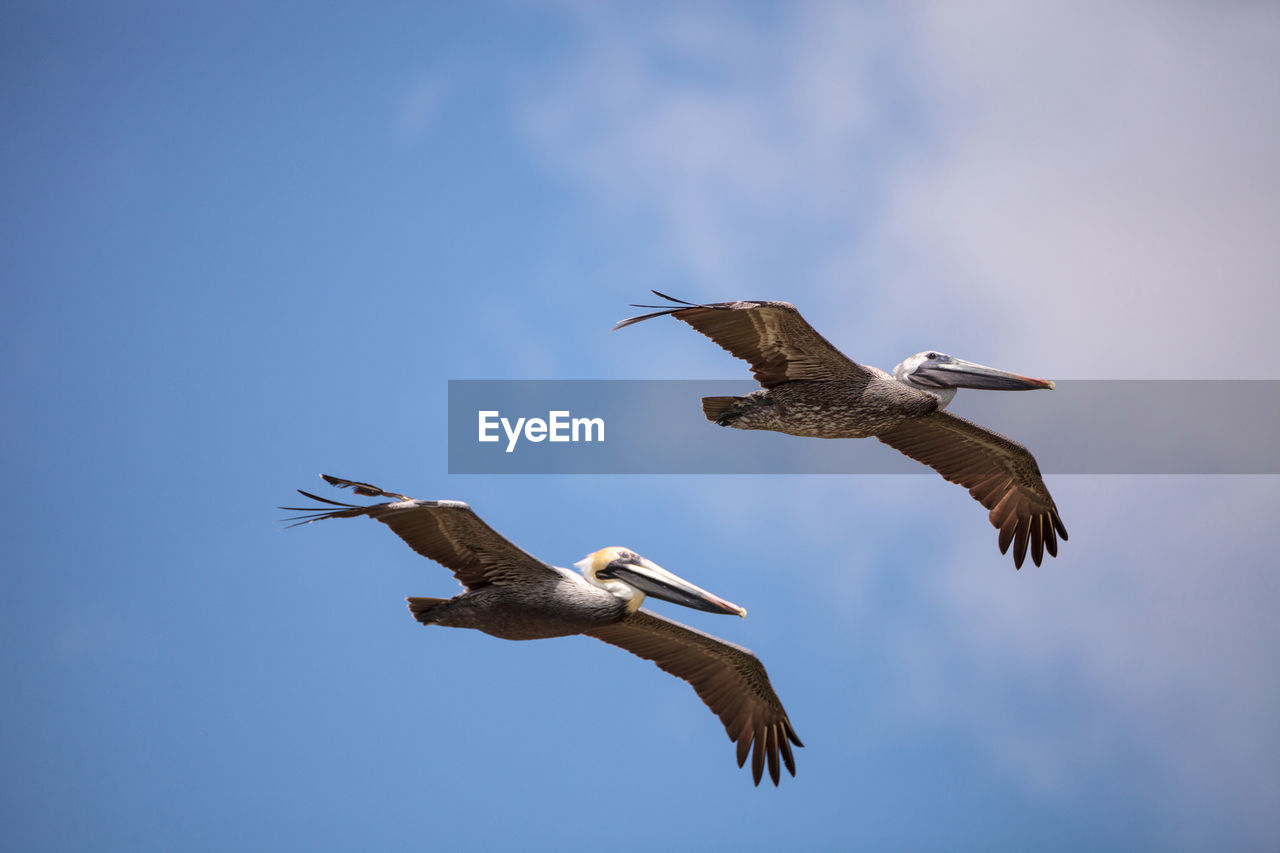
{"points": [[772, 337], [448, 532], [1000, 473], [728, 678]]}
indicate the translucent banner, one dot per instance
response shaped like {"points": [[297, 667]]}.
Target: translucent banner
{"points": [[657, 427]]}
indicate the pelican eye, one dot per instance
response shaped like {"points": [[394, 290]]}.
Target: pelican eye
{"points": [[933, 355]]}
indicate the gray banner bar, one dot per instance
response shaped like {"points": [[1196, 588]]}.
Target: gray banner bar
{"points": [[657, 427]]}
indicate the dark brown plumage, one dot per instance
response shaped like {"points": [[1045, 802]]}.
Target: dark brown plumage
{"points": [[810, 388], [728, 678], [772, 337], [1000, 473], [513, 595]]}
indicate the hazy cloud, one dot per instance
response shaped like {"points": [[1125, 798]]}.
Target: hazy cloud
{"points": [[1085, 191], [419, 107]]}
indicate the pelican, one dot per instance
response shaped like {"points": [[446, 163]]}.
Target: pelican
{"points": [[514, 595], [810, 388]]}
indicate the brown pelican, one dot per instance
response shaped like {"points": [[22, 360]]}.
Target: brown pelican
{"points": [[813, 389], [514, 595]]}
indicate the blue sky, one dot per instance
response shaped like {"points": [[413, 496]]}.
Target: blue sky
{"points": [[246, 244]]}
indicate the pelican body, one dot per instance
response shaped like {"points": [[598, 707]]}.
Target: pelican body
{"points": [[509, 593], [810, 388], [837, 408], [564, 602], [564, 605]]}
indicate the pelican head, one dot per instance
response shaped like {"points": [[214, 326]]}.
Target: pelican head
{"points": [[630, 577], [941, 374]]}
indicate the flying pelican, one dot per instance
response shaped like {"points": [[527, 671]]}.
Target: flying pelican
{"points": [[514, 595], [813, 389]]}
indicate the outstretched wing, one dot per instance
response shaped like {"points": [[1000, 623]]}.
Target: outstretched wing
{"points": [[772, 337], [448, 532], [1000, 473], [728, 678]]}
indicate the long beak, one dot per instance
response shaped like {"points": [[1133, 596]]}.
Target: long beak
{"points": [[654, 580], [958, 373]]}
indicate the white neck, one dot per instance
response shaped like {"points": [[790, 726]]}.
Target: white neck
{"points": [[629, 595], [944, 395]]}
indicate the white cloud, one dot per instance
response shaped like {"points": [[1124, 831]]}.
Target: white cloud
{"points": [[741, 141], [1097, 183], [1155, 641], [1095, 186], [1108, 171]]}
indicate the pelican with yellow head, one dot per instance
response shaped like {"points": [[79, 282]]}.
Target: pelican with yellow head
{"points": [[511, 594]]}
